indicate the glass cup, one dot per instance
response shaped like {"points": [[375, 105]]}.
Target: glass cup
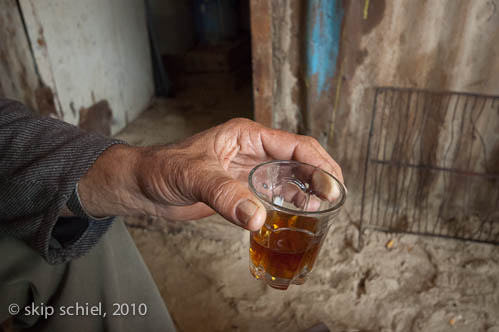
{"points": [[301, 201]]}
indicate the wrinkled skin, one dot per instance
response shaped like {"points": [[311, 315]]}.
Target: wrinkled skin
{"points": [[213, 167], [208, 172]]}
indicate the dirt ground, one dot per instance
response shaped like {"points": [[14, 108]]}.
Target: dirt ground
{"points": [[394, 283]]}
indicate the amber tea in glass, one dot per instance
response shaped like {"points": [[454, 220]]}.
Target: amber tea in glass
{"points": [[301, 200]]}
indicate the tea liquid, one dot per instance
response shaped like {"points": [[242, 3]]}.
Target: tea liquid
{"points": [[286, 246]]}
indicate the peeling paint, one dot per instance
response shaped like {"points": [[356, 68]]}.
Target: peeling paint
{"points": [[285, 113], [96, 118], [324, 18], [90, 51], [45, 101], [435, 46], [45, 73]]}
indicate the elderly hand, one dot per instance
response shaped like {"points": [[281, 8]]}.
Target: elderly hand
{"points": [[206, 172]]}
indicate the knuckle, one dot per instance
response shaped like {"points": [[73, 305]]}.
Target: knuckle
{"points": [[240, 122], [221, 193], [338, 167], [190, 172], [311, 140]]}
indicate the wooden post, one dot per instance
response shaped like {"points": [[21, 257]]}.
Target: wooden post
{"points": [[261, 39]]}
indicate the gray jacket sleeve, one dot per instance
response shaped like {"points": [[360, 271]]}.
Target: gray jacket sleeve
{"points": [[41, 160]]}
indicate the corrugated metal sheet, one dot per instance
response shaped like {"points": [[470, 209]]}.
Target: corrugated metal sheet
{"points": [[432, 45], [437, 46]]}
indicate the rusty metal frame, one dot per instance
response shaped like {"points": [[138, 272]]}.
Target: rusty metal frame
{"points": [[487, 231]]}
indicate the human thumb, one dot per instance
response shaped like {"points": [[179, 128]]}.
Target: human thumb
{"points": [[233, 200]]}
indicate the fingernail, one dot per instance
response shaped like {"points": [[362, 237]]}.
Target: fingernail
{"points": [[336, 191], [245, 211], [325, 186]]}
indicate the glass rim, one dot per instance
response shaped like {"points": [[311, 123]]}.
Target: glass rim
{"points": [[263, 198]]}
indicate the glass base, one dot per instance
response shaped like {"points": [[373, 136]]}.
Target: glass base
{"points": [[275, 282]]}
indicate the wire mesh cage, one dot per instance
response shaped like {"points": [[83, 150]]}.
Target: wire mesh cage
{"points": [[432, 165]]}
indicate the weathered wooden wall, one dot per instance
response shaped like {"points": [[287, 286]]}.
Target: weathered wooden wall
{"points": [[436, 46], [295, 61], [18, 79], [94, 56]]}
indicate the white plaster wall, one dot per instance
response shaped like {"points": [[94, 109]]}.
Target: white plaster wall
{"points": [[91, 50]]}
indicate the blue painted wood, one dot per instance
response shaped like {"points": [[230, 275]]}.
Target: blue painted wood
{"points": [[323, 33]]}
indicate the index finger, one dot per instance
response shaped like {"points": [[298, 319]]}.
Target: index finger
{"points": [[287, 146]]}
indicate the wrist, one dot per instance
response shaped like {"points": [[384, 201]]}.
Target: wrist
{"points": [[110, 185], [157, 173]]}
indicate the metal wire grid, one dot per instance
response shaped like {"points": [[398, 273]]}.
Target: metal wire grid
{"points": [[432, 165]]}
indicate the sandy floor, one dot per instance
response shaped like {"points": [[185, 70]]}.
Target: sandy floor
{"points": [[201, 267]]}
